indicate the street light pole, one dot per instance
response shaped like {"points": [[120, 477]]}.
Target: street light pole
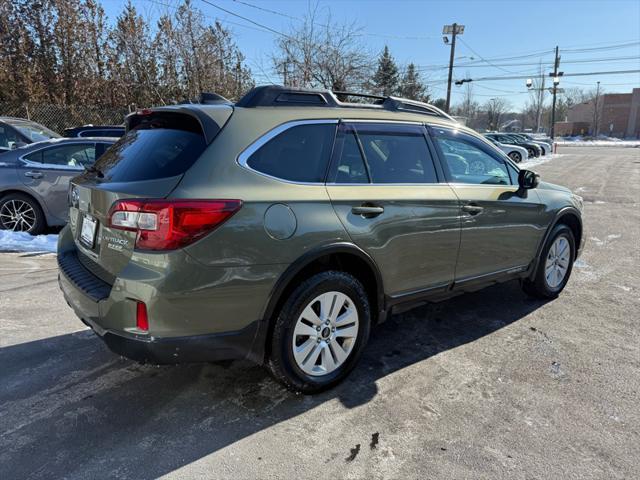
{"points": [[556, 80], [595, 112], [454, 30]]}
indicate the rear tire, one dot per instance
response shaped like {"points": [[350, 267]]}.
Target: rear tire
{"points": [[21, 213], [554, 265], [315, 345]]}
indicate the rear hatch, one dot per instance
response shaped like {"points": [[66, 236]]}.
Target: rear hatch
{"points": [[148, 162]]}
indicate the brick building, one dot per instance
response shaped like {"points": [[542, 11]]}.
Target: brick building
{"points": [[618, 116]]}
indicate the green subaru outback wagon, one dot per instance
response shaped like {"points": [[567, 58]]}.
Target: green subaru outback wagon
{"points": [[281, 228]]}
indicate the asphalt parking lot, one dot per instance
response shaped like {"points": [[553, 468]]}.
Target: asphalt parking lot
{"points": [[487, 385]]}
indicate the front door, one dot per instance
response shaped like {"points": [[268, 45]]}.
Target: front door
{"points": [[384, 188], [501, 226]]}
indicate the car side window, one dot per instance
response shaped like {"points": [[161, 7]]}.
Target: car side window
{"points": [[396, 153], [350, 166], [299, 154], [7, 137], [76, 155], [468, 162]]}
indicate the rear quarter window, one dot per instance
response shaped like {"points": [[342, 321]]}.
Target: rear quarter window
{"points": [[299, 154]]}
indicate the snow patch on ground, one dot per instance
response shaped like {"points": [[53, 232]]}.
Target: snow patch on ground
{"points": [[613, 142], [539, 161], [23, 242]]}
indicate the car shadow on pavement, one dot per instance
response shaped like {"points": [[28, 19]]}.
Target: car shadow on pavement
{"points": [[70, 408]]}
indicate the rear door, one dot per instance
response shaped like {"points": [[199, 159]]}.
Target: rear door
{"points": [[47, 172], [501, 225], [386, 190]]}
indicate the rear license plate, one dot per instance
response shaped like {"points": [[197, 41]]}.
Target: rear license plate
{"points": [[88, 232]]}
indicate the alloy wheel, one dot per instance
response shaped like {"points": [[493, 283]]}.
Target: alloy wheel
{"points": [[557, 263], [17, 215], [325, 333]]}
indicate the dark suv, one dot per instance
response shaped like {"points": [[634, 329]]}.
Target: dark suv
{"points": [[283, 227]]}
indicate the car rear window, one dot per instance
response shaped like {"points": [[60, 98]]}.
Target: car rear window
{"points": [[299, 154], [102, 133], [160, 145]]}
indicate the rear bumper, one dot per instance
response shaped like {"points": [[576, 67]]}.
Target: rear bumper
{"points": [[162, 351], [93, 302]]}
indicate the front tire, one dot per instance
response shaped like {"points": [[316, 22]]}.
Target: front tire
{"points": [[554, 265], [320, 332]]}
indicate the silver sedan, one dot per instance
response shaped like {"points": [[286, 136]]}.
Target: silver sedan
{"points": [[34, 180]]}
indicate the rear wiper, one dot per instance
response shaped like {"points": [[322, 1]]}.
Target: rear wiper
{"points": [[94, 169]]}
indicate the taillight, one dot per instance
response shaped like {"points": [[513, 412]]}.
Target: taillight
{"points": [[142, 319], [170, 224]]}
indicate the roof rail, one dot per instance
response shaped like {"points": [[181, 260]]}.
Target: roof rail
{"points": [[277, 95]]}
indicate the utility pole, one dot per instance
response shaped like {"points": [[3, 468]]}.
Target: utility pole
{"points": [[595, 112], [453, 30], [556, 81]]}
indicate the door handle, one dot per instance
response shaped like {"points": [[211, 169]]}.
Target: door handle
{"points": [[367, 211], [472, 209], [33, 174]]}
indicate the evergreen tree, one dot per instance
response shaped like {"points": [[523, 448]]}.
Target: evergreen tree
{"points": [[411, 86], [385, 80], [440, 103]]}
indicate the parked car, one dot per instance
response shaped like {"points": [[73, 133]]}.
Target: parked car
{"points": [[34, 181], [17, 132], [514, 152], [95, 131], [283, 227], [533, 149], [538, 137], [546, 147]]}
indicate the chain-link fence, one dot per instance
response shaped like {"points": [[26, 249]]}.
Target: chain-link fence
{"points": [[59, 117]]}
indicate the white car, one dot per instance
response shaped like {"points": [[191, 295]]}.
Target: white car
{"points": [[514, 152]]}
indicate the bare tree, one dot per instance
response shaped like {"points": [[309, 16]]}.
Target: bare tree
{"points": [[322, 53], [468, 108], [496, 108], [535, 105]]}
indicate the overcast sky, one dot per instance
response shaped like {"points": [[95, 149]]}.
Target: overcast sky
{"points": [[505, 38]]}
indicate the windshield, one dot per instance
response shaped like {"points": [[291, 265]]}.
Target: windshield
{"points": [[32, 130]]}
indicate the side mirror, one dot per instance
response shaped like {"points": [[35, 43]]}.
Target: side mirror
{"points": [[18, 144], [528, 179]]}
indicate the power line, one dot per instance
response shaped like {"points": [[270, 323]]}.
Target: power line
{"points": [[519, 77], [298, 19], [231, 22], [247, 19], [570, 61], [539, 53], [266, 10], [611, 47], [484, 59]]}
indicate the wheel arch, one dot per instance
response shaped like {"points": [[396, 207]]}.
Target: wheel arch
{"points": [[342, 256], [570, 217]]}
